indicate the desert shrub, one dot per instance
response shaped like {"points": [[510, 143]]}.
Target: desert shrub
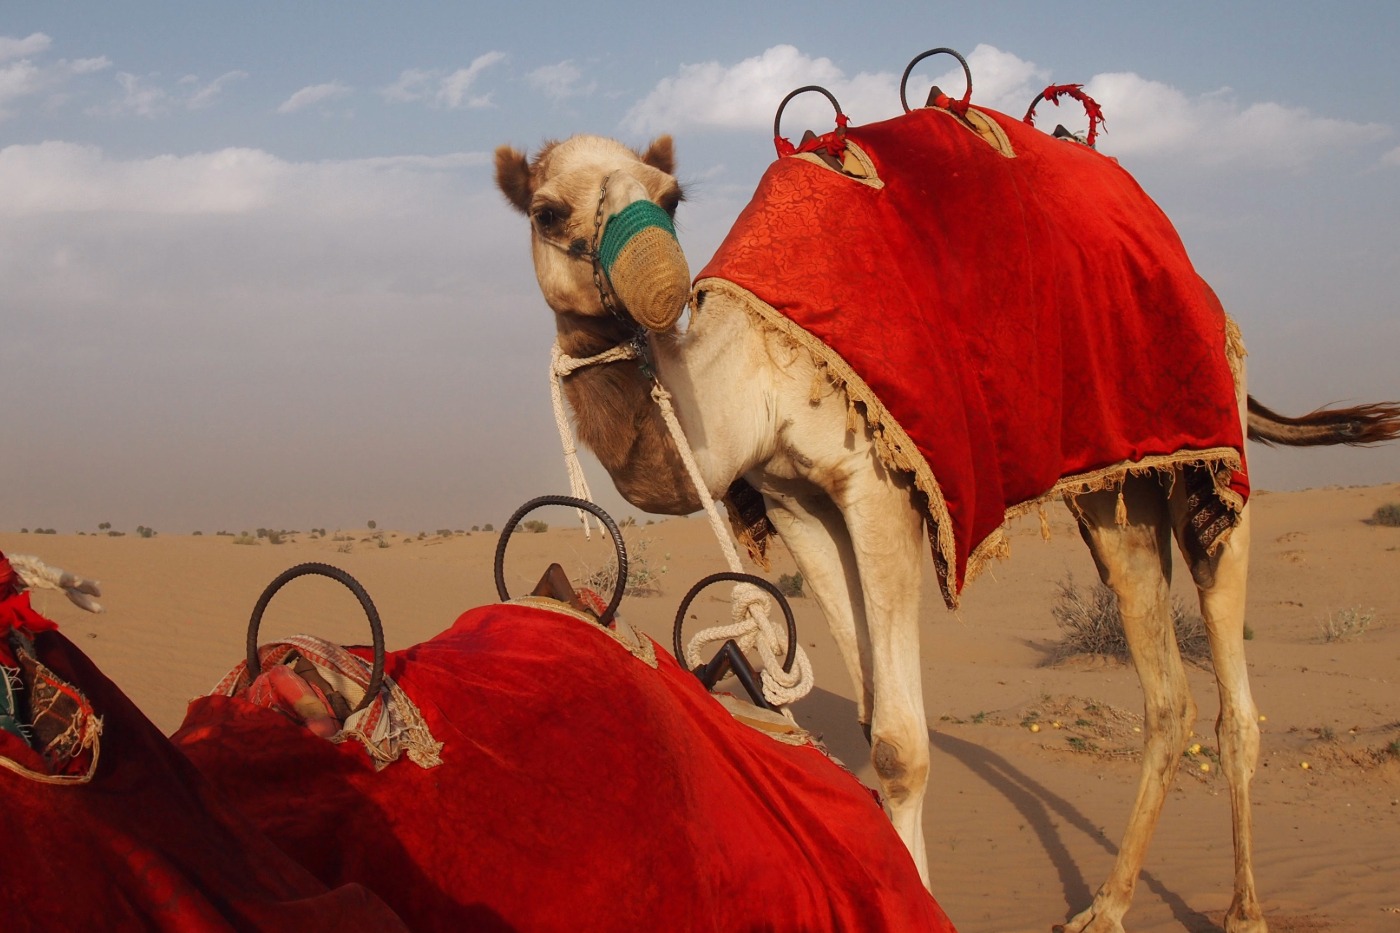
{"points": [[1388, 514], [488, 527], [532, 525], [1090, 623], [198, 533], [276, 537], [1346, 624], [245, 538], [145, 532], [642, 578], [790, 585], [444, 532]]}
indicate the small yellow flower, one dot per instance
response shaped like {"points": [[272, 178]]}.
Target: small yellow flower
{"points": [[1195, 750], [1057, 724], [1205, 766], [1305, 766], [1035, 727], [1263, 718]]}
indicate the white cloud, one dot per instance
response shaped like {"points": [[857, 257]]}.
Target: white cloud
{"points": [[30, 45], [440, 88], [1147, 119], [144, 96], [312, 95], [66, 178], [746, 95], [561, 81], [203, 95], [21, 76], [1392, 157]]}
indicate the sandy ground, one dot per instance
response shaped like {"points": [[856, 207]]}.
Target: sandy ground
{"points": [[1021, 826]]}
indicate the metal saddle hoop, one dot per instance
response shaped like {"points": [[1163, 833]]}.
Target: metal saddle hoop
{"points": [[573, 502], [833, 142], [1091, 109], [936, 97], [729, 658], [376, 678]]}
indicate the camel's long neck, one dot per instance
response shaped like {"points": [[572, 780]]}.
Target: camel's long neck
{"points": [[619, 422]]}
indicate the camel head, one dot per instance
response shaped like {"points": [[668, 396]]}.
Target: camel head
{"points": [[601, 227]]}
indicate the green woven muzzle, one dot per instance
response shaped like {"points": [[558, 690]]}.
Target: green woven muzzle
{"points": [[645, 265]]}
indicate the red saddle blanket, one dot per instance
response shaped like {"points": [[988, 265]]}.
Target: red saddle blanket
{"points": [[584, 784], [1011, 328], [116, 830]]}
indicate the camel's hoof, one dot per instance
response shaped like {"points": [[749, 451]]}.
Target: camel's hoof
{"points": [[1090, 921]]}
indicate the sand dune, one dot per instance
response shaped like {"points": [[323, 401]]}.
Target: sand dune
{"points": [[1021, 825]]}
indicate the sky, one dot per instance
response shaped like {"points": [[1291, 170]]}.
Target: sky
{"points": [[254, 271]]}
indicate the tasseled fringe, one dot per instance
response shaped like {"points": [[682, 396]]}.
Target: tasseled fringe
{"points": [[1120, 513], [1044, 521]]}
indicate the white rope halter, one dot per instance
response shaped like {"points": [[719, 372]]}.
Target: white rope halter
{"points": [[751, 628]]}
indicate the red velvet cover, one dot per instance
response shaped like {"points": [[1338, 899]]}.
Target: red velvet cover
{"points": [[1025, 320], [146, 844], [580, 789]]}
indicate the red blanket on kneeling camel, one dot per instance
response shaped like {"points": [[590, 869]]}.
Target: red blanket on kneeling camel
{"points": [[1014, 321]]}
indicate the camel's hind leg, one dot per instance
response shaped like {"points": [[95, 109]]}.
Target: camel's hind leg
{"points": [[1221, 581], [1134, 559]]}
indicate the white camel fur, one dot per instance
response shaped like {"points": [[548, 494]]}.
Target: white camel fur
{"points": [[744, 398]]}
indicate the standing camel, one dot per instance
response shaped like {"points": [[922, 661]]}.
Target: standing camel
{"points": [[765, 412]]}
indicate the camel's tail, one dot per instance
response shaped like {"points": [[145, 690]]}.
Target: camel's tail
{"points": [[1356, 426]]}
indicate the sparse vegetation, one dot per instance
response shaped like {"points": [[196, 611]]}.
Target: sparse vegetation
{"points": [[1388, 514], [245, 538], [642, 578], [1347, 624], [790, 585], [533, 525], [1091, 624]]}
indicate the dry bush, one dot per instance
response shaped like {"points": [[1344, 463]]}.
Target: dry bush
{"points": [[642, 578], [1388, 514], [1091, 624], [1346, 624]]}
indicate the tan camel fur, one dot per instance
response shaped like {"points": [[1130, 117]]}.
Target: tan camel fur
{"points": [[744, 398]]}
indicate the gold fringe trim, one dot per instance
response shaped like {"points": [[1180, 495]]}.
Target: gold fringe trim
{"points": [[897, 450]]}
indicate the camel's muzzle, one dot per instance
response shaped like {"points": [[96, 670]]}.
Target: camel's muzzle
{"points": [[644, 264]]}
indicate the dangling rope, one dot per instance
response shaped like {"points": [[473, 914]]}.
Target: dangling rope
{"points": [[561, 365], [752, 628]]}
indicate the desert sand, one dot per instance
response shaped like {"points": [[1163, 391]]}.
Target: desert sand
{"points": [[1021, 825]]}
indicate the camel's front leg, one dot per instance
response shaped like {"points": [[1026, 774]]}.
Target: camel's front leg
{"points": [[886, 535], [1134, 560], [816, 536]]}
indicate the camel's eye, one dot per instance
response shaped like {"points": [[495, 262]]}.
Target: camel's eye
{"points": [[669, 201], [548, 217]]}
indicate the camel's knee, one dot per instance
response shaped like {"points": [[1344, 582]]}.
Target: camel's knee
{"points": [[902, 773]]}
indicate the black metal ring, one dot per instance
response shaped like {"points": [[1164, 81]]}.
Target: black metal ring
{"points": [[606, 618], [738, 578], [778, 117], [904, 80], [376, 677]]}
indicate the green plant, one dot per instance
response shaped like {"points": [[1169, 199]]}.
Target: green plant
{"points": [[533, 525], [1346, 624], [1388, 514], [1090, 623]]}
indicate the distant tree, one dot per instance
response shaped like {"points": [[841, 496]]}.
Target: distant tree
{"points": [[199, 532], [476, 528], [145, 532], [488, 527], [372, 524], [24, 531], [104, 526]]}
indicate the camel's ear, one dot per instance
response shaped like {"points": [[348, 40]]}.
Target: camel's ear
{"points": [[513, 177], [661, 155]]}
